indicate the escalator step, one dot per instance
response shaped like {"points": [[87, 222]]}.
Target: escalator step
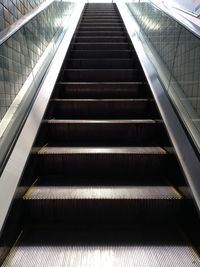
{"points": [[102, 193], [101, 24], [101, 28], [103, 160], [101, 13], [105, 180], [102, 204], [84, 132], [101, 63], [101, 33], [102, 75], [137, 246], [101, 8], [101, 39], [101, 54], [111, 90], [103, 109], [102, 151], [98, 16], [98, 20], [101, 46]]}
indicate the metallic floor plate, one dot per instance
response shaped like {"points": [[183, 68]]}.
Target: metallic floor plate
{"points": [[103, 150], [102, 256], [54, 121], [102, 100], [103, 192]]}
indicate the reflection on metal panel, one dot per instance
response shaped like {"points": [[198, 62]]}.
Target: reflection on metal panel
{"points": [[23, 59], [192, 6], [177, 53], [11, 11]]}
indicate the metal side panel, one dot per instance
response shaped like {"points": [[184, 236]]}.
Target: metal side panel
{"points": [[14, 27], [12, 172], [185, 152]]}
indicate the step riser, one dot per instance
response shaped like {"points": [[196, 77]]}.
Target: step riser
{"points": [[105, 164], [99, 180], [105, 91], [101, 46], [102, 75], [94, 17], [103, 110], [94, 29], [97, 10], [101, 39], [127, 54], [113, 14], [102, 24], [101, 64], [101, 9], [99, 134], [102, 211], [102, 34], [91, 20]]}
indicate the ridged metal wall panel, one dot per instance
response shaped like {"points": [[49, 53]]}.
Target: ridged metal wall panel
{"points": [[12, 10]]}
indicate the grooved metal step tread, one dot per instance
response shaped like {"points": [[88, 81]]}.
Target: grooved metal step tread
{"points": [[86, 70], [103, 100], [104, 14], [112, 28], [100, 43], [116, 50], [57, 121], [74, 255], [121, 84], [102, 150], [103, 60], [102, 192], [113, 247], [100, 11]]}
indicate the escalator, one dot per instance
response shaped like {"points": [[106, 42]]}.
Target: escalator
{"points": [[103, 185]]}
